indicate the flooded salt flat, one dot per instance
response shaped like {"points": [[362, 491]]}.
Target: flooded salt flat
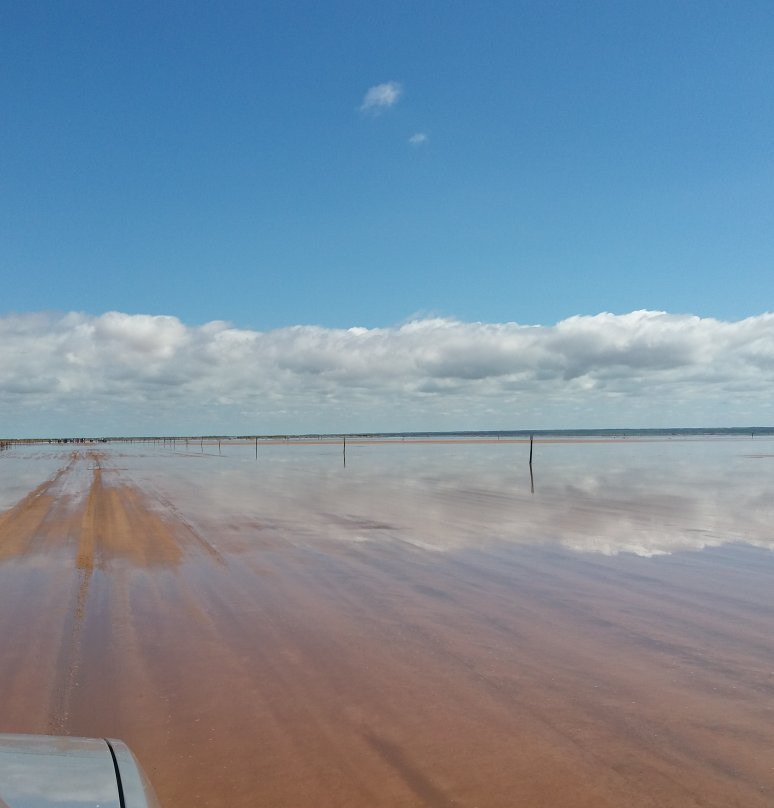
{"points": [[425, 626], [22, 468], [615, 496]]}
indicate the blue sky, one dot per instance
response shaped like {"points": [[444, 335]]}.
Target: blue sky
{"points": [[211, 160], [217, 161]]}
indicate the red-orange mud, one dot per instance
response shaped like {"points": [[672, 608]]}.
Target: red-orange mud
{"points": [[382, 674]]}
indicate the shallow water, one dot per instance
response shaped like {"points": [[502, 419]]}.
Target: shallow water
{"points": [[615, 496], [419, 627]]}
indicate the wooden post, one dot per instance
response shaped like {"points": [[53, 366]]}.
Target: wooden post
{"points": [[256, 447], [344, 439], [531, 437]]}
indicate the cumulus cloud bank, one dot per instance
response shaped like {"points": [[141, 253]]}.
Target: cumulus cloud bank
{"points": [[645, 368]]}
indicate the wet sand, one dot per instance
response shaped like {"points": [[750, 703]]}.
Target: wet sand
{"points": [[249, 662]]}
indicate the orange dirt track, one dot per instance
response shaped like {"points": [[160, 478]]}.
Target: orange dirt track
{"points": [[378, 673]]}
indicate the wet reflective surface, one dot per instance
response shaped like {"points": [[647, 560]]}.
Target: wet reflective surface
{"points": [[644, 497], [418, 628]]}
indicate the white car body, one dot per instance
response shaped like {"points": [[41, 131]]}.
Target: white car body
{"points": [[43, 771]]}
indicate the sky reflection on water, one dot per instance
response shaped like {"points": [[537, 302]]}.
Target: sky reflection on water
{"points": [[23, 468], [640, 497]]}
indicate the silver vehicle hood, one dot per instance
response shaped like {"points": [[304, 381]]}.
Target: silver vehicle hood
{"points": [[41, 771]]}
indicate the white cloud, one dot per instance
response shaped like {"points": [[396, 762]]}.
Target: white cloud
{"points": [[381, 97], [119, 372], [417, 139]]}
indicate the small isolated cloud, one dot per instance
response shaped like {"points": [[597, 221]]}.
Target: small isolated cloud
{"points": [[417, 139], [381, 97]]}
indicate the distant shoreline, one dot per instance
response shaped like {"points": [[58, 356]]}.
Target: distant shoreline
{"points": [[460, 436]]}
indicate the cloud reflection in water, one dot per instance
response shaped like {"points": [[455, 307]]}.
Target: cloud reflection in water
{"points": [[646, 498]]}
